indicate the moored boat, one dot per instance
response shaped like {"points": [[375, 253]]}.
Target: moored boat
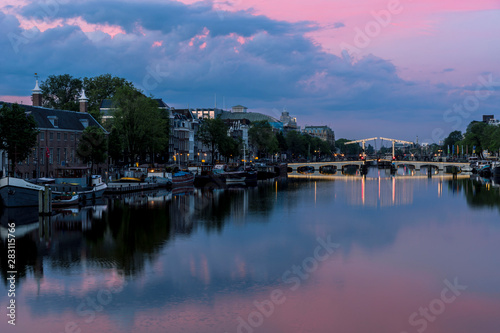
{"points": [[15, 192], [68, 199], [182, 178]]}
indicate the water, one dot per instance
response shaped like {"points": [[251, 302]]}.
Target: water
{"points": [[381, 254]]}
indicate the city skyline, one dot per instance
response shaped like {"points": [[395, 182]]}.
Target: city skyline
{"points": [[368, 68]]}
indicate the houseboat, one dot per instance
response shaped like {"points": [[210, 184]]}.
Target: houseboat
{"points": [[15, 192]]}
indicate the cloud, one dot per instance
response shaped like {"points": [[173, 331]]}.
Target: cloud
{"points": [[251, 60]]}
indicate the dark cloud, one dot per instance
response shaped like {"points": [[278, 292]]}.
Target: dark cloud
{"points": [[167, 17], [276, 65]]}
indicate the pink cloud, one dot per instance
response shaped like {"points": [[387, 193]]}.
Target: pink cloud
{"points": [[157, 43], [26, 100]]}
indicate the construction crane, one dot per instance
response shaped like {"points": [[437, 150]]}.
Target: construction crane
{"points": [[395, 140], [363, 143]]}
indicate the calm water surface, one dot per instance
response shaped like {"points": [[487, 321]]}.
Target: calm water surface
{"points": [[380, 254]]}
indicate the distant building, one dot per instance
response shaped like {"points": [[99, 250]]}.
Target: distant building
{"points": [[325, 133], [59, 134], [487, 118], [289, 123], [183, 143], [239, 108], [206, 113], [107, 108], [238, 129]]}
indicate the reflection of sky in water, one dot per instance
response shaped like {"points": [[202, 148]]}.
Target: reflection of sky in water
{"points": [[196, 263]]}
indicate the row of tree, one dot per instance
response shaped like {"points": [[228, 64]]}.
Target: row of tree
{"points": [[478, 137], [138, 127], [263, 141]]}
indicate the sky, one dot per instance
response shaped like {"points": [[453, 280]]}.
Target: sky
{"points": [[388, 68]]}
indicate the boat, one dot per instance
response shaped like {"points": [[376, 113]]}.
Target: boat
{"points": [[16, 192], [182, 178], [68, 199], [134, 175], [94, 191]]}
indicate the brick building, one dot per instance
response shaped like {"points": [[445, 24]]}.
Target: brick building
{"points": [[57, 141]]}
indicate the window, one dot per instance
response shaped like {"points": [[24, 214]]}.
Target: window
{"points": [[53, 120], [58, 155], [65, 156], [65, 136], [58, 136], [42, 136], [85, 122], [42, 156], [51, 136], [72, 137], [51, 156]]}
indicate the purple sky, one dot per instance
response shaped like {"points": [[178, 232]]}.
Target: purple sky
{"points": [[366, 68]]}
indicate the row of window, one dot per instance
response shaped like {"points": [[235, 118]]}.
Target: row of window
{"points": [[59, 136], [61, 156]]}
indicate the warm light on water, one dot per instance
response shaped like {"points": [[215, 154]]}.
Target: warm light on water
{"points": [[374, 254]]}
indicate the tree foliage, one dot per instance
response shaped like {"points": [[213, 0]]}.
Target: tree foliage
{"points": [[351, 149], [139, 123], [101, 87], [213, 133], [18, 132], [230, 147], [93, 146], [262, 138], [61, 92], [453, 138]]}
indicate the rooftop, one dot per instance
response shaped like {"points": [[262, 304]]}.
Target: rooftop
{"points": [[66, 120]]}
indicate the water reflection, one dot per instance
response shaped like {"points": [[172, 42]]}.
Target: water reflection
{"points": [[196, 261]]}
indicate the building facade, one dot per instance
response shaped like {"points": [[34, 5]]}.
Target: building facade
{"points": [[324, 133], [57, 141]]}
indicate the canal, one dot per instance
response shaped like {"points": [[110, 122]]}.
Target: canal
{"points": [[353, 254]]}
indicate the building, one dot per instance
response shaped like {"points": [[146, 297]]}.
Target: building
{"points": [[57, 142], [289, 123], [488, 117], [239, 112], [325, 133], [238, 129], [239, 108], [183, 144], [206, 113], [107, 107]]}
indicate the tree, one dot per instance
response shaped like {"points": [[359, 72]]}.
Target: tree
{"points": [[61, 92], [282, 145], [230, 147], [474, 137], [139, 123], [92, 147], [296, 144], [212, 133], [102, 87], [351, 149], [262, 138], [452, 139], [18, 133]]}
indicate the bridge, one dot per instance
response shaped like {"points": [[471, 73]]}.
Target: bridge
{"points": [[345, 166]]}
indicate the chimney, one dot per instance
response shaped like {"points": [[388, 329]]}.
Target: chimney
{"points": [[83, 102], [36, 94]]}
